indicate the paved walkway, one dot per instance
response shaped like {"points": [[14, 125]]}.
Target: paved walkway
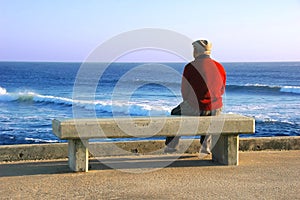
{"points": [[260, 175]]}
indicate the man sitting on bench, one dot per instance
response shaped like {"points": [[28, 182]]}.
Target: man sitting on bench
{"points": [[202, 87]]}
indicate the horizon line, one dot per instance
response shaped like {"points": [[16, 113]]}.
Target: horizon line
{"points": [[70, 61]]}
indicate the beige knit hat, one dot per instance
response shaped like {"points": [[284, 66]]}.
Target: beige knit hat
{"points": [[203, 46]]}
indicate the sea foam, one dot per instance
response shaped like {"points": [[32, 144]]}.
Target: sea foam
{"points": [[291, 89], [2, 91]]}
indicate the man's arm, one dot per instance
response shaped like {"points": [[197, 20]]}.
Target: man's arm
{"points": [[185, 85], [222, 74]]}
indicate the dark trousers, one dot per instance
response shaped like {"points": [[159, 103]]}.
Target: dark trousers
{"points": [[172, 142]]}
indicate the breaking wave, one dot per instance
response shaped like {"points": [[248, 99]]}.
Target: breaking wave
{"points": [[264, 88], [123, 107]]}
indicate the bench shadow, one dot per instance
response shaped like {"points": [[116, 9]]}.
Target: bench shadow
{"points": [[33, 168], [109, 163]]}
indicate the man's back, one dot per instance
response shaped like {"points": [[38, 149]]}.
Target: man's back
{"points": [[203, 83]]}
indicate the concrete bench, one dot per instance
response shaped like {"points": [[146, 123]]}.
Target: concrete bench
{"points": [[225, 130]]}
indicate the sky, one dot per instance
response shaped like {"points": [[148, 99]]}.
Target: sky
{"points": [[69, 30]]}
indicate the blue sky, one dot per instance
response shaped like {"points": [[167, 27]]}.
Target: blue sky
{"points": [[61, 30]]}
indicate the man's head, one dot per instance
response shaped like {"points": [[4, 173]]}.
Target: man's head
{"points": [[201, 47]]}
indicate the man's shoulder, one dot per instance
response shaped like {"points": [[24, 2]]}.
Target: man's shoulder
{"points": [[216, 62], [189, 65]]}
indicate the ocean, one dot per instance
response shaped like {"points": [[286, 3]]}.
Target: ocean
{"points": [[34, 93]]}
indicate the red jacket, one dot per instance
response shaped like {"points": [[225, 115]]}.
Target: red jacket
{"points": [[203, 83]]}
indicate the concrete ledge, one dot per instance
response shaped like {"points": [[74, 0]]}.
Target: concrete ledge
{"points": [[60, 150], [270, 143], [33, 152]]}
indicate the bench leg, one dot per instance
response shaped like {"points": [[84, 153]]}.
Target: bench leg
{"points": [[226, 149], [78, 155]]}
